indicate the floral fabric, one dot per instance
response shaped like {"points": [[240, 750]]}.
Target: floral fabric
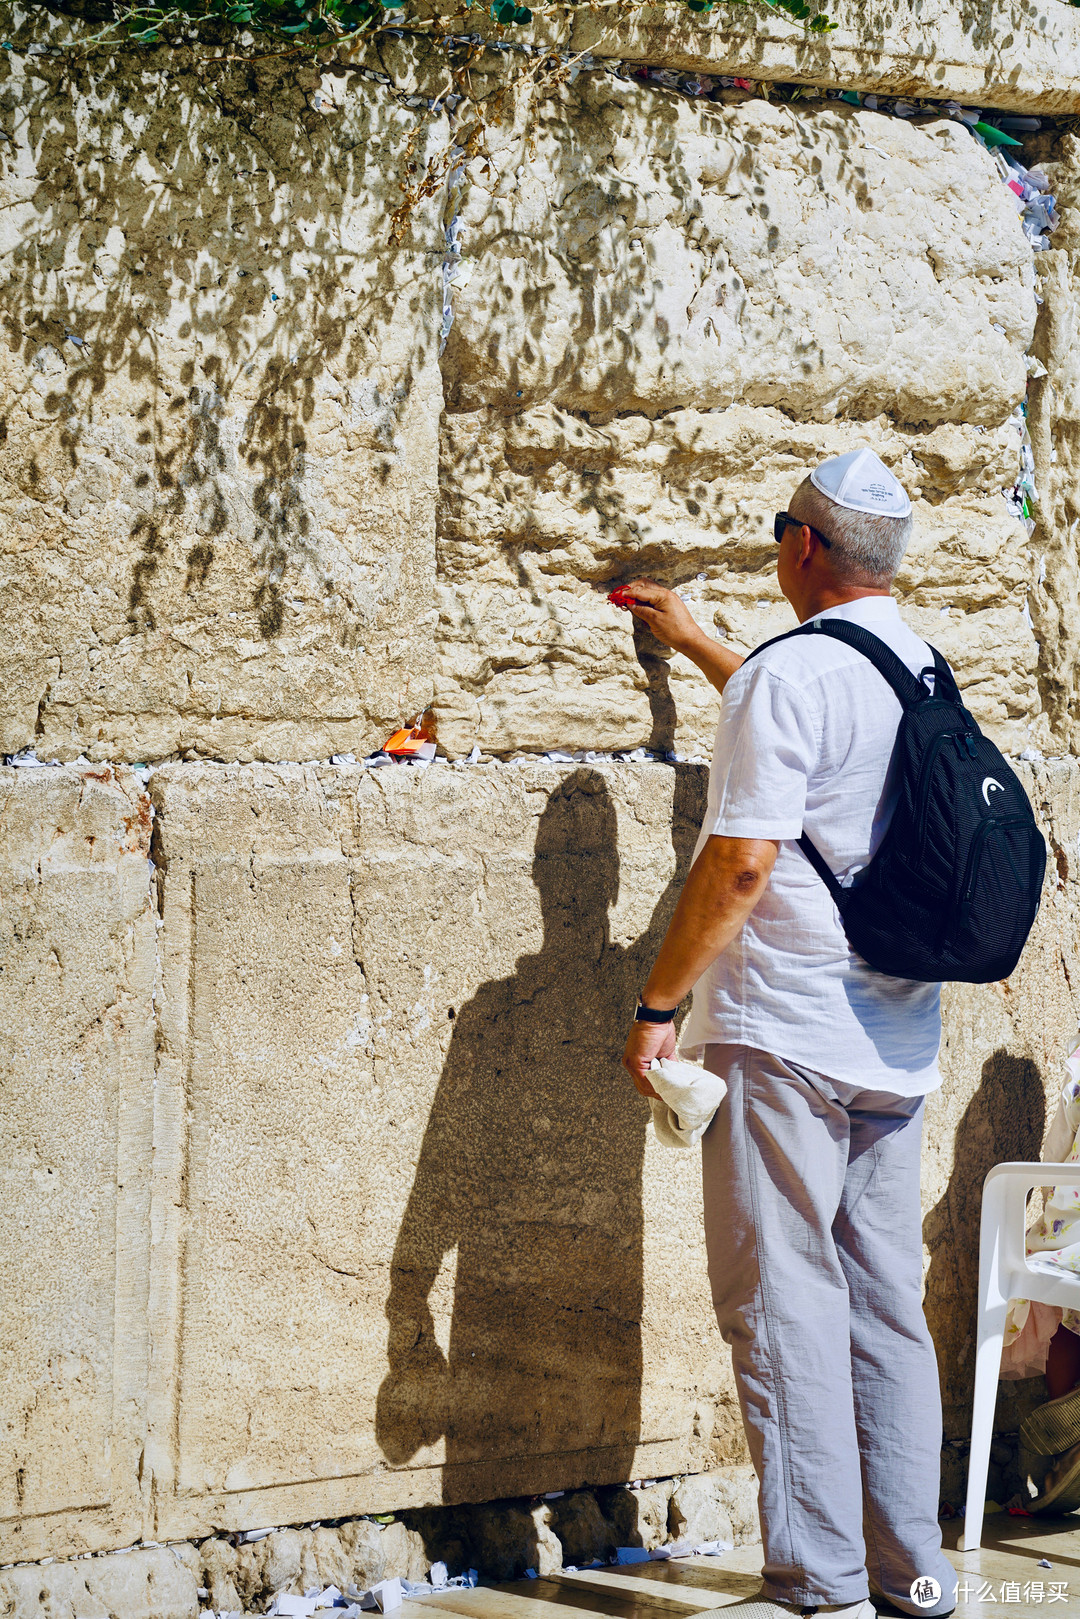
{"points": [[1053, 1243]]}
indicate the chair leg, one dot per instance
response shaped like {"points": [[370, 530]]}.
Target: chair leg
{"points": [[987, 1370]]}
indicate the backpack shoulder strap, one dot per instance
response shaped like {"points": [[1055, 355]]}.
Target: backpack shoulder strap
{"points": [[945, 684], [824, 871], [908, 689]]}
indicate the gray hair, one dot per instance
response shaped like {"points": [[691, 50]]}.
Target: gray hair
{"points": [[866, 549]]}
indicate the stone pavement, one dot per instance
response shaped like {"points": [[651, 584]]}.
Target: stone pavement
{"points": [[1004, 1579]]}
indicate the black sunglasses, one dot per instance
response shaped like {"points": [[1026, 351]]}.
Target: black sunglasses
{"points": [[782, 520]]}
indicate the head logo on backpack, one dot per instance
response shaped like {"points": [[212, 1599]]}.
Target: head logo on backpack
{"points": [[954, 888]]}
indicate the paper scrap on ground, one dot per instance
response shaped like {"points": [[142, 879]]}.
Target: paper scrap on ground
{"points": [[678, 1548], [294, 1607]]}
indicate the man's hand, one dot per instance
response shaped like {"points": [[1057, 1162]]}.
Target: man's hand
{"points": [[644, 1042], [666, 614], [672, 622]]}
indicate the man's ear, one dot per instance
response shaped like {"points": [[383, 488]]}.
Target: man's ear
{"points": [[806, 545]]}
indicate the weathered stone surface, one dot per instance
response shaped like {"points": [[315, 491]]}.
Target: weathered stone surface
{"points": [[291, 1070], [697, 1512], [220, 1565], [342, 1322], [824, 259], [737, 1490], [640, 383], [508, 1539], [569, 509], [499, 1539], [368, 1549], [1054, 412], [411, 1242], [189, 1556], [220, 466], [308, 1012], [140, 1585], [218, 476], [405, 1552], [280, 1561], [582, 1528], [1009, 54], [76, 1090], [639, 1515]]}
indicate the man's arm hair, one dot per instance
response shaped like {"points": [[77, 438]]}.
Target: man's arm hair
{"points": [[671, 621], [726, 881]]}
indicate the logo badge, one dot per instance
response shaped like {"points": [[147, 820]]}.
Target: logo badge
{"points": [[925, 1592], [990, 785]]}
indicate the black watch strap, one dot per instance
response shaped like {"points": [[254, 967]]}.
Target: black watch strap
{"points": [[649, 1014]]}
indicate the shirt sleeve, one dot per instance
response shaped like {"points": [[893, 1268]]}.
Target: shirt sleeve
{"points": [[766, 747]]}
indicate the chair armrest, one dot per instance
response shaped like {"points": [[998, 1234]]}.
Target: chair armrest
{"points": [[1040, 1174], [1004, 1263]]}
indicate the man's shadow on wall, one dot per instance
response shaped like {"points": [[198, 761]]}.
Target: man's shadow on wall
{"points": [[1004, 1122], [531, 1169]]}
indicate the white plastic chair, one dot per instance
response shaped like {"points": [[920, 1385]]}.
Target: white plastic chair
{"points": [[1004, 1274]]}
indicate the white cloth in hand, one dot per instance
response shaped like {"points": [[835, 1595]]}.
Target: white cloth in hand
{"points": [[689, 1096]]}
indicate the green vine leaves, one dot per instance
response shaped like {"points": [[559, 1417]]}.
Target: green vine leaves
{"points": [[316, 23]]}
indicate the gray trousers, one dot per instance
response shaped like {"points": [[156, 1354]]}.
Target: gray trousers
{"points": [[813, 1227]]}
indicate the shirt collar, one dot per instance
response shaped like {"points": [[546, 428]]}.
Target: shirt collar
{"points": [[866, 610]]}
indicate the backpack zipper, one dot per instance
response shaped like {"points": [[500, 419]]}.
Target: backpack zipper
{"points": [[990, 823], [963, 740], [923, 797]]}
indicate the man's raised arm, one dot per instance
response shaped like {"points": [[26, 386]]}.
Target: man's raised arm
{"points": [[671, 621]]}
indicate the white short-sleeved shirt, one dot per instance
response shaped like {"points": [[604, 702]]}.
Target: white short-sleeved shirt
{"points": [[804, 742]]}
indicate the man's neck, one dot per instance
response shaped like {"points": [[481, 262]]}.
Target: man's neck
{"points": [[833, 596]]}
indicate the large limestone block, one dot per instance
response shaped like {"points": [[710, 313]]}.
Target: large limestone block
{"points": [[1007, 54], [219, 464], [150, 1584], [640, 383], [629, 250], [546, 500], [77, 961], [387, 1226], [423, 1247]]}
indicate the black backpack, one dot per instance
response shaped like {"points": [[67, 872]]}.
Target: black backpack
{"points": [[954, 888]]}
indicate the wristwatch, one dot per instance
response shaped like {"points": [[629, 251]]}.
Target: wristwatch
{"points": [[650, 1014]]}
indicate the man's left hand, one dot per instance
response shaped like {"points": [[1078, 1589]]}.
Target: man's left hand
{"points": [[646, 1041]]}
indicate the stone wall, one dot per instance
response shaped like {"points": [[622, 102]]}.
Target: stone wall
{"points": [[222, 534], [1010, 53], [327, 1196], [409, 1239], [705, 256], [77, 937], [223, 395]]}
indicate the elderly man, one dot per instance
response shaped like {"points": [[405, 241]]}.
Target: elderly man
{"points": [[811, 1167]]}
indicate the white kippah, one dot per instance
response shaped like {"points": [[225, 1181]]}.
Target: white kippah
{"points": [[862, 483]]}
